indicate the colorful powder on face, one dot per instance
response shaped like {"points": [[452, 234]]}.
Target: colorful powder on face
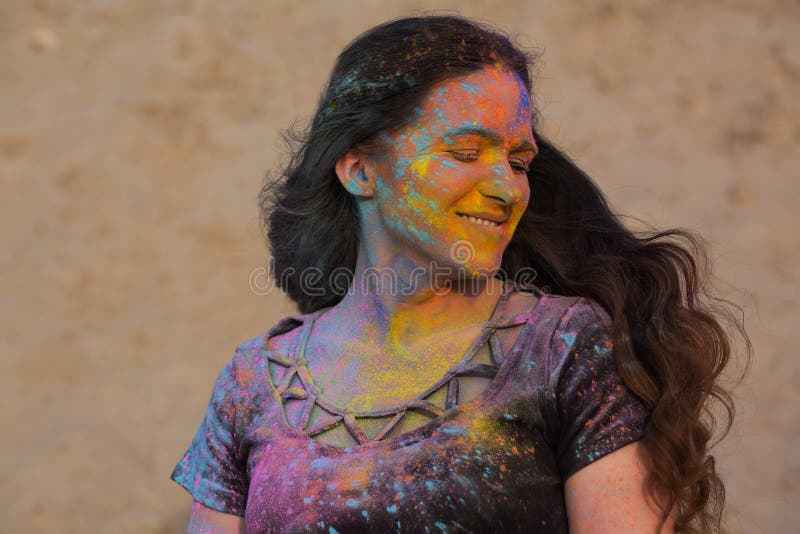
{"points": [[425, 186]]}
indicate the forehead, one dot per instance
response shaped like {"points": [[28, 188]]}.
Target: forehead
{"points": [[492, 98]]}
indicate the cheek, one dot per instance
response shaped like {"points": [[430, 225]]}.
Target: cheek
{"points": [[524, 195], [420, 167], [418, 186], [416, 198]]}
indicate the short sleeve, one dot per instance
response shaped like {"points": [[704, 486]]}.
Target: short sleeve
{"points": [[597, 413], [211, 470]]}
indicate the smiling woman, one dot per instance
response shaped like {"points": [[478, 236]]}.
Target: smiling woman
{"points": [[434, 391], [456, 171]]}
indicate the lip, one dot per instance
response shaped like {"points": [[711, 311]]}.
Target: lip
{"points": [[493, 227], [494, 217]]}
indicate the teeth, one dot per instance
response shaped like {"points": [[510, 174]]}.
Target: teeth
{"points": [[478, 220]]}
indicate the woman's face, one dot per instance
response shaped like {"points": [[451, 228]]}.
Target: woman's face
{"points": [[453, 185]]}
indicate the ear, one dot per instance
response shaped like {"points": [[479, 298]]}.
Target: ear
{"points": [[352, 172]]}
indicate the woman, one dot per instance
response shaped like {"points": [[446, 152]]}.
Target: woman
{"points": [[422, 389]]}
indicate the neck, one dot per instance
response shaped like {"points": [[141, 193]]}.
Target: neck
{"points": [[395, 299]]}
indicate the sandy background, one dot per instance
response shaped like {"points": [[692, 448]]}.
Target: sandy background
{"points": [[133, 139]]}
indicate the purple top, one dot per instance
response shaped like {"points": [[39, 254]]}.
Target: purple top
{"points": [[554, 403]]}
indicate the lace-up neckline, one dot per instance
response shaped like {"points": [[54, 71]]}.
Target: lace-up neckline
{"points": [[292, 382]]}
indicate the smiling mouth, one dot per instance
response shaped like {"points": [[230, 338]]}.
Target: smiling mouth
{"points": [[478, 220]]}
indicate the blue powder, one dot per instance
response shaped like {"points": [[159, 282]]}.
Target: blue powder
{"points": [[320, 463], [600, 350], [568, 338]]}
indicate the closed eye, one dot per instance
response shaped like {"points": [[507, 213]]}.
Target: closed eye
{"points": [[519, 166], [464, 155]]}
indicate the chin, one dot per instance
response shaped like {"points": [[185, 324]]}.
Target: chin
{"points": [[475, 268]]}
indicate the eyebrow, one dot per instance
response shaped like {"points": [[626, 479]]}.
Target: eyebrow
{"points": [[493, 137]]}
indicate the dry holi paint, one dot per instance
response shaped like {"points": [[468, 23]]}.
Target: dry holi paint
{"points": [[484, 465], [464, 152], [454, 173]]}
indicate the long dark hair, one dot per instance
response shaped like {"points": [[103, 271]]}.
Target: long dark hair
{"points": [[672, 338]]}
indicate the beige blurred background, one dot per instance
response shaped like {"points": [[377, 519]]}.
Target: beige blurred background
{"points": [[133, 139]]}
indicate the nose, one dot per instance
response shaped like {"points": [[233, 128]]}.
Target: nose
{"points": [[504, 185]]}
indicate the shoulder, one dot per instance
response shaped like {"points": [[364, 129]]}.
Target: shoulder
{"points": [[280, 339], [283, 337], [578, 315], [564, 313], [250, 357], [563, 324], [242, 386]]}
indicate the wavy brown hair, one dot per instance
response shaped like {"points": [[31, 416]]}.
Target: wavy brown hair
{"points": [[673, 338]]}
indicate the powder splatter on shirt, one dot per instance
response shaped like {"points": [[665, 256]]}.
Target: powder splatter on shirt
{"points": [[497, 463]]}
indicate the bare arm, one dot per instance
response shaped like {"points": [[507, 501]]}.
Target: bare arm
{"points": [[204, 520], [608, 496]]}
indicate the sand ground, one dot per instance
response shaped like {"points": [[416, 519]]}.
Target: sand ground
{"points": [[133, 139]]}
